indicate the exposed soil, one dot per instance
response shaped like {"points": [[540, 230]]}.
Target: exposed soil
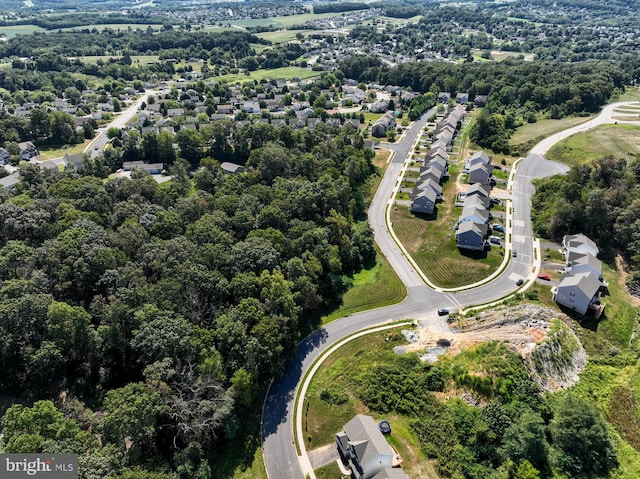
{"points": [[523, 328]]}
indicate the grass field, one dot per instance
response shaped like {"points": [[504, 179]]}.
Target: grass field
{"points": [[49, 152], [541, 129], [617, 141], [339, 376], [281, 36], [632, 93], [15, 30], [372, 288], [286, 72]]}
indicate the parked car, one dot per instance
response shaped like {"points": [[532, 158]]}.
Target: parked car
{"points": [[519, 282], [514, 253], [546, 277], [494, 201], [498, 227], [443, 312]]}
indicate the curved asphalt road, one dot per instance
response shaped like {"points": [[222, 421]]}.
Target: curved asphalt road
{"points": [[280, 456]]}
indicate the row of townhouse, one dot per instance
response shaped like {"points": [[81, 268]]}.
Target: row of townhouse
{"points": [[473, 224], [582, 283], [428, 189]]}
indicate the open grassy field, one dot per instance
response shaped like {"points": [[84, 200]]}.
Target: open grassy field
{"points": [[15, 30], [286, 72], [49, 152], [617, 141], [432, 245], [338, 376], [632, 93], [541, 129], [281, 36], [372, 288]]}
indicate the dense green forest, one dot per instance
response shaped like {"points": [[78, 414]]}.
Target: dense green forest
{"points": [[156, 314]]}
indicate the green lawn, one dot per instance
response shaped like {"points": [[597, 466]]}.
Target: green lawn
{"points": [[432, 244], [49, 152], [632, 93], [281, 36], [533, 132], [286, 72], [14, 30], [372, 288], [617, 141]]}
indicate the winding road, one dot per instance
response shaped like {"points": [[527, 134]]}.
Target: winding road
{"points": [[421, 303]]}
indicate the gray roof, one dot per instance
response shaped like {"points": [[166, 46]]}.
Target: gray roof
{"points": [[587, 259], [575, 241], [482, 156], [391, 473], [473, 212], [466, 226], [431, 184], [366, 438], [587, 283], [479, 188], [478, 201]]}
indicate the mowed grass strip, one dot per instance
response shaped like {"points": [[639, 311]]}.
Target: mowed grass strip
{"points": [[616, 141]]}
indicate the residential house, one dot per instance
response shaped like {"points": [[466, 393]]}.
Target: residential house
{"points": [[432, 184], [353, 123], [9, 182], [232, 168], [581, 285], [462, 98], [424, 201], [578, 292], [474, 214], [225, 109], [151, 168], [379, 107], [28, 150], [333, 122], [480, 100], [443, 97], [4, 157], [471, 236], [250, 107], [77, 160], [173, 112], [364, 449], [477, 201], [479, 189], [383, 124], [480, 173]]}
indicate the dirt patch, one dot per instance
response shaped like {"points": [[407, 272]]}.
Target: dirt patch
{"points": [[551, 351]]}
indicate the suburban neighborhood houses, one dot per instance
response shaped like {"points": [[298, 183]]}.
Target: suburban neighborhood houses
{"points": [[582, 284]]}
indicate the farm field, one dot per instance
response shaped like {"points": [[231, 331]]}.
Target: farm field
{"points": [[616, 141], [15, 30]]}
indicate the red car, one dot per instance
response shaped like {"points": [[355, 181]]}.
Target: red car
{"points": [[546, 277]]}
